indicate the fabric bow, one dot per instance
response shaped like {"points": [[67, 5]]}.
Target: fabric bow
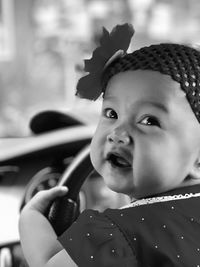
{"points": [[112, 46]]}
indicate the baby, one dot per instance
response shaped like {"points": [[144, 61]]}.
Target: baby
{"points": [[147, 146]]}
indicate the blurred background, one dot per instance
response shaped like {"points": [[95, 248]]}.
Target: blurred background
{"points": [[43, 44]]}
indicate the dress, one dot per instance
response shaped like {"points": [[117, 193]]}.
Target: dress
{"points": [[162, 231]]}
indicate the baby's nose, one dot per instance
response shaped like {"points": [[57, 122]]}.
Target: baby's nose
{"points": [[119, 137]]}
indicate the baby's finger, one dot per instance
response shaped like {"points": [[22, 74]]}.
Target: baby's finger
{"points": [[51, 194], [44, 198], [57, 191]]}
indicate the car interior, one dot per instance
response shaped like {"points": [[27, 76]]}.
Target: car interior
{"points": [[50, 157]]}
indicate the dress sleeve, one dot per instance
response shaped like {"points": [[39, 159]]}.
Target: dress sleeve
{"points": [[95, 241]]}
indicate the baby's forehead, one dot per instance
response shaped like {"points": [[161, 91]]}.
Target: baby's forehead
{"points": [[142, 84]]}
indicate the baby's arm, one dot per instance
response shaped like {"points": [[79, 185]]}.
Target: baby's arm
{"points": [[38, 239]]}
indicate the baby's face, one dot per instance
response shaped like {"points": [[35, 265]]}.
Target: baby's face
{"points": [[147, 139]]}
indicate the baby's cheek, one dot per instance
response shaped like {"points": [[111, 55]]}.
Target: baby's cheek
{"points": [[94, 152], [97, 151], [149, 161], [166, 162]]}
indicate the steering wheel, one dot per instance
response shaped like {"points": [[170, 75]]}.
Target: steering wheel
{"points": [[65, 210]]}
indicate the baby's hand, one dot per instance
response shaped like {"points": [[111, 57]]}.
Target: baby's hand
{"points": [[43, 199]]}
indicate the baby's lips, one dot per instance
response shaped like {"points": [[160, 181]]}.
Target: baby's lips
{"points": [[119, 157], [123, 161]]}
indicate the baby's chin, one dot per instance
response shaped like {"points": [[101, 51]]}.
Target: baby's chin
{"points": [[118, 185]]}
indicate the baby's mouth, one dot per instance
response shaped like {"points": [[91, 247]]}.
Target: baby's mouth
{"points": [[117, 160]]}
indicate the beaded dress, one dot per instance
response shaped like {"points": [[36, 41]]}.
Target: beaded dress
{"points": [[163, 231]]}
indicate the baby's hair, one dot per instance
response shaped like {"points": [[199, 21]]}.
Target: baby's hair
{"points": [[179, 61]]}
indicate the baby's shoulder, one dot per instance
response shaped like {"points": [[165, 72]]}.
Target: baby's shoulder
{"points": [[95, 240]]}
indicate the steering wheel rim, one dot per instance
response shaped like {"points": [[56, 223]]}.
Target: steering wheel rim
{"points": [[66, 209]]}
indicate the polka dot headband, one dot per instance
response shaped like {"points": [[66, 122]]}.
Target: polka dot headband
{"points": [[180, 62]]}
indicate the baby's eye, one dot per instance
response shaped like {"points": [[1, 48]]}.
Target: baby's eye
{"points": [[150, 120], [110, 113]]}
